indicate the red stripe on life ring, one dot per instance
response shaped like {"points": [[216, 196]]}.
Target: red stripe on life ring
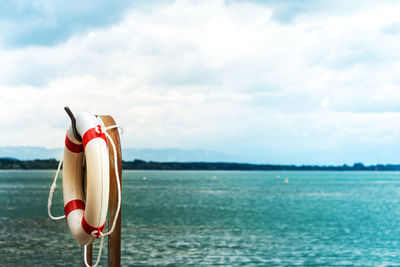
{"points": [[89, 228], [75, 148], [75, 204], [91, 134]]}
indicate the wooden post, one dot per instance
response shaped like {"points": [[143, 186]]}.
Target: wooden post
{"points": [[114, 240]]}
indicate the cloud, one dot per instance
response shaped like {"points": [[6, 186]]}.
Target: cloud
{"points": [[226, 76], [42, 22]]}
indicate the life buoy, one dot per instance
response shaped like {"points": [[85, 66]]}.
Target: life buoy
{"points": [[86, 211]]}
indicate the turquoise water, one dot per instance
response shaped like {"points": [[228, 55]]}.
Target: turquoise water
{"points": [[217, 218]]}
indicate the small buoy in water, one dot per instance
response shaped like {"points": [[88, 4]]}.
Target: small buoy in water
{"points": [[144, 178], [214, 177], [278, 176], [286, 180]]}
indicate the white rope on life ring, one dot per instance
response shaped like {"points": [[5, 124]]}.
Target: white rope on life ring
{"points": [[86, 216]]}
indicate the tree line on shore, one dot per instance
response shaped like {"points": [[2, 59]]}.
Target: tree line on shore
{"points": [[45, 164]]}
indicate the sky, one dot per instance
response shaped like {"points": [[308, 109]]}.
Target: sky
{"points": [[280, 82]]}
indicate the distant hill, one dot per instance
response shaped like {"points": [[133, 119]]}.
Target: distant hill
{"points": [[30, 152], [149, 154]]}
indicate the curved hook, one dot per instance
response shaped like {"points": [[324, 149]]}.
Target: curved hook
{"points": [[73, 124]]}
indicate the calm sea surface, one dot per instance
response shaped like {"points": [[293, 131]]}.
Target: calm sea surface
{"points": [[217, 218]]}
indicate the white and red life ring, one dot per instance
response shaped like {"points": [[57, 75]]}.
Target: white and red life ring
{"points": [[86, 213]]}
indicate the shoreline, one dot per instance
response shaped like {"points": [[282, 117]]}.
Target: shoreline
{"points": [[51, 164]]}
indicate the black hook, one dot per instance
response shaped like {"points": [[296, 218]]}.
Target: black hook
{"points": [[73, 124]]}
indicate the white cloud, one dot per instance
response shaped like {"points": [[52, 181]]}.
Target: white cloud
{"points": [[214, 75]]}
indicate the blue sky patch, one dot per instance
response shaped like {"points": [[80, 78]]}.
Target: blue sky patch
{"points": [[44, 23]]}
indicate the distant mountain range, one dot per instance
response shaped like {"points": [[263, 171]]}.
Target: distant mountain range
{"points": [[30, 152], [128, 154]]}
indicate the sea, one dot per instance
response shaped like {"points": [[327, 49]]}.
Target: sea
{"points": [[217, 218]]}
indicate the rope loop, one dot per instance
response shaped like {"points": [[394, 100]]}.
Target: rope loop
{"points": [[52, 189], [98, 254]]}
